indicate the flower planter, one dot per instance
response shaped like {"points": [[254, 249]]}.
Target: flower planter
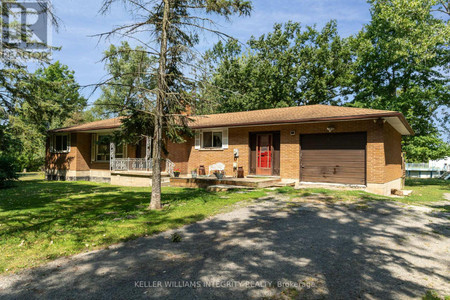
{"points": [[194, 174], [176, 174]]}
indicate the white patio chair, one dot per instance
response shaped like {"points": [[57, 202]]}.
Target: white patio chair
{"points": [[216, 167]]}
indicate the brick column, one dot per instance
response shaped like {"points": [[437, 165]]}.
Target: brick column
{"points": [[375, 153]]}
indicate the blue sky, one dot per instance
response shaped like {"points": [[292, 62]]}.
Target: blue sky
{"points": [[80, 20]]}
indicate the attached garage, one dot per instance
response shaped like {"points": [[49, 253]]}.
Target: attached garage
{"points": [[333, 158]]}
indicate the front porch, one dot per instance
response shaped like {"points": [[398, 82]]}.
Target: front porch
{"points": [[137, 178], [227, 182], [138, 172]]}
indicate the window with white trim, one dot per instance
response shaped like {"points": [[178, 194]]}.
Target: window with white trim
{"points": [[60, 143], [211, 139], [102, 148]]}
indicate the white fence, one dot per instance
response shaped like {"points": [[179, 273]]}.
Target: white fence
{"points": [[424, 167], [138, 164], [131, 164]]}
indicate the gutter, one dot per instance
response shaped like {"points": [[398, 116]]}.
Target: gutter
{"points": [[399, 115], [70, 129], [313, 120]]}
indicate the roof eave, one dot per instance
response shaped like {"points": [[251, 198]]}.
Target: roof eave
{"points": [[70, 129], [313, 120], [399, 115]]}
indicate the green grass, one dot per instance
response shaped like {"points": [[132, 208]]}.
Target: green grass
{"points": [[433, 295], [425, 192], [330, 195], [41, 220], [31, 176]]}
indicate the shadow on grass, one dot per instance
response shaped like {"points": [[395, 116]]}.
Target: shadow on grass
{"points": [[342, 260], [424, 182], [36, 212], [444, 208], [39, 193]]}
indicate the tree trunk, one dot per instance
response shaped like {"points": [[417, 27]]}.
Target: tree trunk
{"points": [[155, 202]]}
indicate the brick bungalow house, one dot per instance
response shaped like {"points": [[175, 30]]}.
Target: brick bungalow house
{"points": [[311, 144]]}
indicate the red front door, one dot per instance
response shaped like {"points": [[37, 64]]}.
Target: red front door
{"points": [[264, 154]]}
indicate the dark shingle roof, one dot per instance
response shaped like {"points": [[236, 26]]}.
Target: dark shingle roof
{"points": [[287, 115]]}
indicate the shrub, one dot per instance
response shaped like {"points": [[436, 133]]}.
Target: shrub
{"points": [[8, 170], [286, 190]]}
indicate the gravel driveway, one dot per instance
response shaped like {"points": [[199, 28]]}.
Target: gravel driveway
{"points": [[275, 248]]}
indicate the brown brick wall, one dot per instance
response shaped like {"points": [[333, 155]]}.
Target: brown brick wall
{"points": [[375, 153], [392, 153], [96, 165], [383, 150], [79, 157], [62, 161], [179, 154], [379, 162], [83, 156]]}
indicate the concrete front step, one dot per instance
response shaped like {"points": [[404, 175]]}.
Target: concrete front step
{"points": [[285, 183], [204, 182], [224, 188], [136, 178]]}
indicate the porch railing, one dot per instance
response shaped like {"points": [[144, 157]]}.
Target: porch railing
{"points": [[138, 164], [170, 166], [131, 164]]}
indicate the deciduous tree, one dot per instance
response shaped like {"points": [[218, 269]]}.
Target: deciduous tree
{"points": [[168, 29], [402, 63], [289, 66], [46, 100]]}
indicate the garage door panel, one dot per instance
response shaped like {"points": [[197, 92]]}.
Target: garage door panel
{"points": [[331, 174], [320, 163], [333, 158], [328, 152], [330, 177], [333, 161], [334, 154], [334, 141], [333, 170], [342, 180]]}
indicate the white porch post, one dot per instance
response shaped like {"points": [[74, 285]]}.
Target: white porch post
{"points": [[112, 156], [148, 151]]}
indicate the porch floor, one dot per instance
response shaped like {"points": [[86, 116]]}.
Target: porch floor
{"points": [[136, 173], [204, 182]]}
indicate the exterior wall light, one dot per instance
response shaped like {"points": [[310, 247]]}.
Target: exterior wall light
{"points": [[331, 128]]}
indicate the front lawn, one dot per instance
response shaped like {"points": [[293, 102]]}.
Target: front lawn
{"points": [[425, 192], [41, 220]]}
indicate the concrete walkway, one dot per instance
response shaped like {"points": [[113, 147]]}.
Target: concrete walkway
{"points": [[274, 248]]}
